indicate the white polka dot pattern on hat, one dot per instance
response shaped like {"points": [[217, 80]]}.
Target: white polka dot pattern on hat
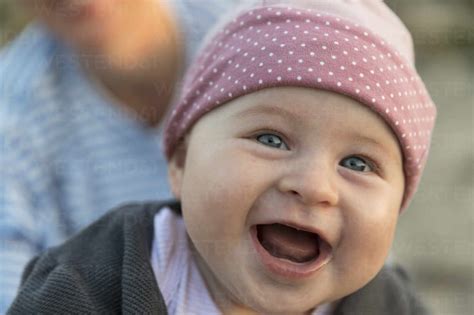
{"points": [[275, 46]]}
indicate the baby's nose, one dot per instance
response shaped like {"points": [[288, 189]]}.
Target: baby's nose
{"points": [[312, 182]]}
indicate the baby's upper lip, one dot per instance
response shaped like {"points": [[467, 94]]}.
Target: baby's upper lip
{"points": [[301, 226]]}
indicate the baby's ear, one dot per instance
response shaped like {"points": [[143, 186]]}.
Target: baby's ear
{"points": [[176, 169]]}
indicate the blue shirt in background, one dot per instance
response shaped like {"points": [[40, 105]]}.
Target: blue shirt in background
{"points": [[68, 153]]}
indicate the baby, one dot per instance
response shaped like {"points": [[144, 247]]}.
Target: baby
{"points": [[299, 137]]}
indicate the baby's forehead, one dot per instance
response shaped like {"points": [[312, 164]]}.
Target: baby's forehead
{"points": [[308, 107]]}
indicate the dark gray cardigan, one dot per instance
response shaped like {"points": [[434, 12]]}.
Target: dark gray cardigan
{"points": [[106, 269]]}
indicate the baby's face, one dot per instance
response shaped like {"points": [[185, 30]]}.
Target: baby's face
{"points": [[291, 198]]}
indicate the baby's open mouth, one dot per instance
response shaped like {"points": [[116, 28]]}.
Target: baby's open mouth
{"points": [[290, 251], [285, 242]]}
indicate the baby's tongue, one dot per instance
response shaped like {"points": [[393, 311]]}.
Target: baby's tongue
{"points": [[285, 242]]}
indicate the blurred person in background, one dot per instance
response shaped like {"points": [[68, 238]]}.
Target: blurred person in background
{"points": [[82, 93]]}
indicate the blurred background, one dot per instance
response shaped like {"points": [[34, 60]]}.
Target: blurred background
{"points": [[435, 236]]}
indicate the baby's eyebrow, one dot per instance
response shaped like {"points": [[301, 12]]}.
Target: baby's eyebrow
{"points": [[364, 139], [267, 110], [379, 145]]}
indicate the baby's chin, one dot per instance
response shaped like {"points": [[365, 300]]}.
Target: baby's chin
{"points": [[277, 305], [278, 299]]}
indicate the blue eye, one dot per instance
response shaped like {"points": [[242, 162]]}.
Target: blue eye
{"points": [[357, 164], [272, 140]]}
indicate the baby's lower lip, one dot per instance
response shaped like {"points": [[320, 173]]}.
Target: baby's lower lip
{"points": [[285, 268]]}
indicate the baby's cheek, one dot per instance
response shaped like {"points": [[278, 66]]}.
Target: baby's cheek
{"points": [[377, 245], [363, 251], [215, 193], [371, 226]]}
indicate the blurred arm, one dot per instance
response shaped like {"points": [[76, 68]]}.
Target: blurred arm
{"points": [[29, 215]]}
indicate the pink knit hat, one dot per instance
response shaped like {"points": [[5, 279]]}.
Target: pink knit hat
{"points": [[273, 46]]}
